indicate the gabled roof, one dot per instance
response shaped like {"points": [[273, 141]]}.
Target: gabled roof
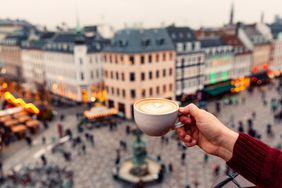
{"points": [[140, 40], [181, 34], [213, 41], [254, 35]]}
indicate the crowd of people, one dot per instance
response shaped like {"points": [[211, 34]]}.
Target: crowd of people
{"points": [[43, 176]]}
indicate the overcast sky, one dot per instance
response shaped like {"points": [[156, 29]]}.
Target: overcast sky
{"points": [[194, 13]]}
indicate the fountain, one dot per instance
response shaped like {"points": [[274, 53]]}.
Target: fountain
{"points": [[140, 167]]}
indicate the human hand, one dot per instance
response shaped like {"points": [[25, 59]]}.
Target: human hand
{"points": [[205, 130]]}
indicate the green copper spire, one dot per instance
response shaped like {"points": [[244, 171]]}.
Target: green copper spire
{"points": [[79, 39], [78, 28]]}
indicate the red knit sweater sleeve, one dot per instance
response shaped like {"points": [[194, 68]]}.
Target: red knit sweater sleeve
{"points": [[257, 162]]}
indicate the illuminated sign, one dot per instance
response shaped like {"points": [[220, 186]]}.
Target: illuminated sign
{"points": [[20, 102]]}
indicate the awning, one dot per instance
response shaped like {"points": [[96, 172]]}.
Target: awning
{"points": [[218, 89]]}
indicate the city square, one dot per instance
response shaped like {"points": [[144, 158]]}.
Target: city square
{"points": [[134, 94], [94, 168]]}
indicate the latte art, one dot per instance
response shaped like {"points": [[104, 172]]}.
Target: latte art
{"points": [[155, 106]]}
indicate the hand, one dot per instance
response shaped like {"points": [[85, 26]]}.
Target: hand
{"points": [[205, 130]]}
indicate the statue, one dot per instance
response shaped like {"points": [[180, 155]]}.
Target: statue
{"points": [[140, 167]]}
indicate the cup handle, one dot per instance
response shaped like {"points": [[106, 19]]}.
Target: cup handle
{"points": [[178, 125]]}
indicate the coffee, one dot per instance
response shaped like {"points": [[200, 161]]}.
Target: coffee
{"points": [[156, 106]]}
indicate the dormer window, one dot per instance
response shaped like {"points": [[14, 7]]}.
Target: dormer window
{"points": [[173, 36], [160, 41], [180, 35]]}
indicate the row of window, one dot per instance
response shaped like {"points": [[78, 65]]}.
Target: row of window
{"points": [[190, 60], [188, 46], [144, 92], [142, 59], [143, 76], [92, 76]]}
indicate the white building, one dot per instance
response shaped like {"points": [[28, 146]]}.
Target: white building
{"points": [[276, 65], [73, 69], [69, 64], [33, 59], [190, 61], [242, 58], [219, 60]]}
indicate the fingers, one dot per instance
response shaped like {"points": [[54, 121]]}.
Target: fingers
{"points": [[191, 109], [190, 143], [185, 119], [186, 137]]}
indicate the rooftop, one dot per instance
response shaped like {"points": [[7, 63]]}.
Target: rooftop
{"points": [[140, 40], [213, 41], [254, 35], [181, 34]]}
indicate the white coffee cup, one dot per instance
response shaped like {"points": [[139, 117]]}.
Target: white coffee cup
{"points": [[156, 116]]}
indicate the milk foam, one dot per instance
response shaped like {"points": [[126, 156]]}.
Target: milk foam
{"points": [[157, 107]]}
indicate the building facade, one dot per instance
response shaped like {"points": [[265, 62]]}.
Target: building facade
{"points": [[190, 61], [33, 59], [139, 64], [242, 58], [259, 45], [276, 65], [10, 55], [74, 68]]}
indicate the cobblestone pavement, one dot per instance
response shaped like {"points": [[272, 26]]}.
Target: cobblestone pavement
{"points": [[94, 169]]}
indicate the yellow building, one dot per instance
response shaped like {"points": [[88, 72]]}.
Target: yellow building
{"points": [[139, 64]]}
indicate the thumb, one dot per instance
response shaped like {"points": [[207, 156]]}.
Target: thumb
{"points": [[191, 109]]}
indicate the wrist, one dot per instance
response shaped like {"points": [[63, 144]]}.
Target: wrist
{"points": [[227, 141]]}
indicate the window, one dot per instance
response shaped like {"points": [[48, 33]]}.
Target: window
{"points": [[171, 56], [170, 87], [142, 76], [179, 47], [81, 61], [164, 56], [158, 90], [121, 58], [164, 73], [116, 59], [90, 60], [113, 91], [143, 93], [157, 57], [150, 75], [107, 89], [157, 74], [112, 75], [132, 93], [110, 58], [123, 93], [122, 76], [117, 91], [142, 59], [164, 88], [151, 91], [82, 76], [150, 58], [106, 73], [97, 73], [170, 72], [131, 60], [117, 76], [91, 74], [132, 76]]}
